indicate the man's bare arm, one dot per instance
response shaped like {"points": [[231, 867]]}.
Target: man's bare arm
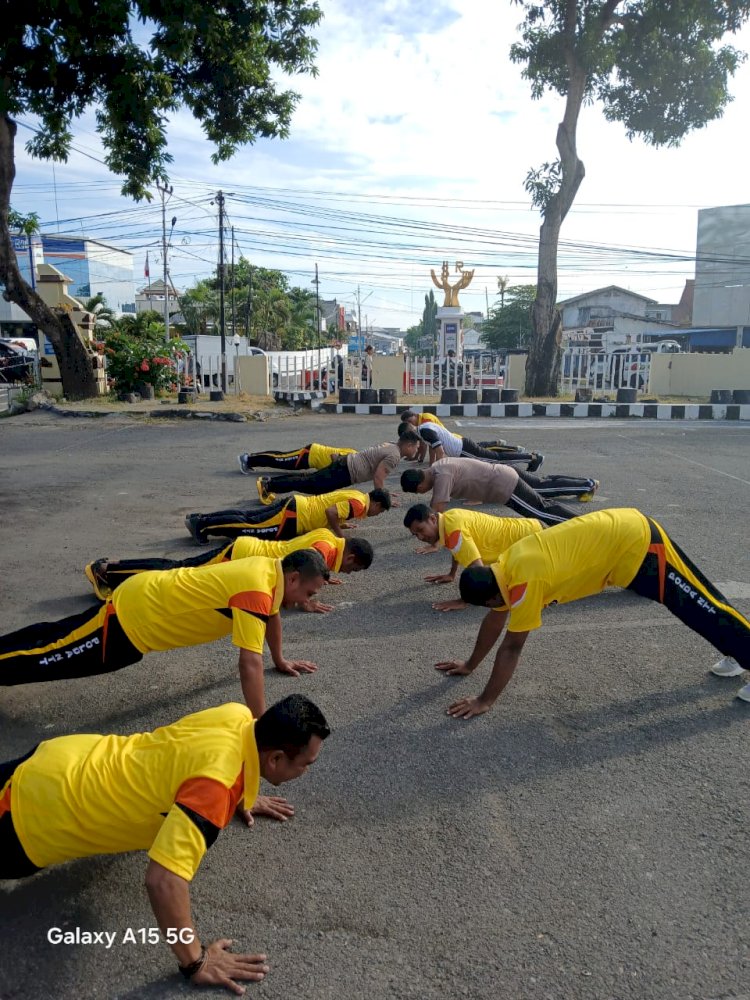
{"points": [[332, 518], [379, 476], [491, 627], [251, 680], [169, 895], [273, 638], [504, 667]]}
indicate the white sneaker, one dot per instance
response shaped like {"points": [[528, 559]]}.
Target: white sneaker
{"points": [[728, 667], [744, 693]]}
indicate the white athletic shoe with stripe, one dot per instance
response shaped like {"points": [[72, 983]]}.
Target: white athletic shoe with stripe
{"points": [[728, 667]]}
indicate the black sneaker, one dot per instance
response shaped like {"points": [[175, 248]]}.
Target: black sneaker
{"points": [[191, 523], [96, 572], [245, 467], [536, 461]]}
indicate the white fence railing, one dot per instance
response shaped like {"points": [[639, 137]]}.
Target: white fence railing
{"points": [[604, 372], [427, 376], [331, 370]]}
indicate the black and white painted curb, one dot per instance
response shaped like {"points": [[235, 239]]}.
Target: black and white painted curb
{"points": [[643, 411]]}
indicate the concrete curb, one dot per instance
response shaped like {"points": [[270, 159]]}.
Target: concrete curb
{"points": [[183, 413], [642, 411]]}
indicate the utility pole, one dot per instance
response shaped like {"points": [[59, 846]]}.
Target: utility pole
{"points": [[316, 282], [234, 314], [249, 306], [165, 192], [222, 316]]}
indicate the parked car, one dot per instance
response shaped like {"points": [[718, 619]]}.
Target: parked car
{"points": [[16, 365], [630, 368], [663, 347]]}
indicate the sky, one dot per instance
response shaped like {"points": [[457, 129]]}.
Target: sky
{"points": [[408, 148]]}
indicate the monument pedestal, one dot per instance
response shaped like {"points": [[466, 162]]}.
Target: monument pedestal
{"points": [[450, 331]]}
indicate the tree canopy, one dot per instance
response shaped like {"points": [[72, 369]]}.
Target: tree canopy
{"points": [[656, 67], [136, 63], [509, 322]]}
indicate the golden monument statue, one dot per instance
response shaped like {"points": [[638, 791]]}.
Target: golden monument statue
{"points": [[451, 291]]}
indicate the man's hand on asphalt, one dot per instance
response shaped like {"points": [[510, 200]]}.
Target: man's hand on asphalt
{"points": [[317, 607], [467, 708], [457, 605], [272, 806], [296, 667], [439, 578], [222, 967], [455, 668]]}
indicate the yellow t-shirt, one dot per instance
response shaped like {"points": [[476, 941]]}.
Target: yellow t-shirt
{"points": [[429, 418], [168, 792], [311, 511], [323, 541], [470, 535], [167, 609], [321, 455], [575, 559]]}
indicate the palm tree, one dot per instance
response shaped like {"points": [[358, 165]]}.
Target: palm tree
{"points": [[105, 317]]}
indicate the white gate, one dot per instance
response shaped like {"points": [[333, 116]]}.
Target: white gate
{"points": [[604, 371]]}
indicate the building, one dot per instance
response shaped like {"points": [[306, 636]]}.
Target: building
{"points": [[151, 297], [722, 267], [615, 317], [90, 267], [94, 268]]}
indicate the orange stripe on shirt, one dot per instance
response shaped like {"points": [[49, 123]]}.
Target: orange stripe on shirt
{"points": [[357, 508], [254, 601], [328, 551], [210, 799], [453, 541], [5, 801], [657, 548], [517, 594]]}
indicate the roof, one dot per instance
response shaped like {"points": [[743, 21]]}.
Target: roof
{"points": [[608, 288]]}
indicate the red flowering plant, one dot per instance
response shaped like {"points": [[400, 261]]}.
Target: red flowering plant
{"points": [[146, 359]]}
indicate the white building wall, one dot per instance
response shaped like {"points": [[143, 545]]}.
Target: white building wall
{"points": [[722, 269]]}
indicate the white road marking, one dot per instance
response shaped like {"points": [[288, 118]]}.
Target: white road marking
{"points": [[589, 423], [710, 468]]}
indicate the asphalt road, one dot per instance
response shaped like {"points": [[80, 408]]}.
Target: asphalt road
{"points": [[587, 839]]}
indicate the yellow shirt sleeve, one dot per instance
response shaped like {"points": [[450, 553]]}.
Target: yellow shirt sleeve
{"points": [[251, 609], [526, 604], [462, 547], [179, 845]]}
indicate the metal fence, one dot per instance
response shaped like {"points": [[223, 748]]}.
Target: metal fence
{"points": [[428, 376], [604, 371]]}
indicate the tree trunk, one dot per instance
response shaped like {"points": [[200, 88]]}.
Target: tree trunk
{"points": [[73, 357], [543, 363]]}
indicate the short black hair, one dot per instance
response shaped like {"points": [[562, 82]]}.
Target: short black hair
{"points": [[383, 497], [478, 585], [410, 479], [407, 415], [307, 562], [408, 436], [289, 724], [403, 427], [362, 551], [418, 512]]}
